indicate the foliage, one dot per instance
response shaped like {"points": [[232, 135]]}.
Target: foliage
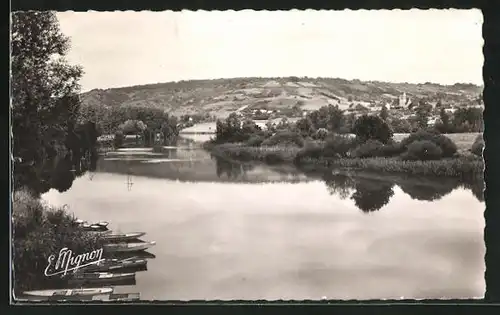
{"points": [[305, 126], [447, 146], [468, 120], [256, 140], [240, 152], [132, 127], [285, 138], [400, 125], [384, 113], [370, 148], [335, 146], [372, 127], [233, 130], [45, 88], [38, 232], [423, 111], [321, 134], [329, 117], [478, 145], [423, 150]]}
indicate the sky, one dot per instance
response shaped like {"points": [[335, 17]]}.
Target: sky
{"points": [[125, 48]]}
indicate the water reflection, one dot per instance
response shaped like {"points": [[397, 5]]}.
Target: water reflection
{"points": [[229, 169], [188, 162], [57, 172], [371, 192]]}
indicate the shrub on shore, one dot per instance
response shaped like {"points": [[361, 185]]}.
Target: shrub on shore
{"points": [[241, 152], [423, 150], [38, 232], [454, 167], [478, 145], [448, 147], [284, 138]]}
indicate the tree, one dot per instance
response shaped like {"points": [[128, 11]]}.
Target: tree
{"points": [[444, 124], [384, 113], [423, 112], [372, 128], [45, 87], [305, 126]]}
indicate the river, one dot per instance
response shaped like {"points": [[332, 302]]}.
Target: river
{"points": [[229, 231]]}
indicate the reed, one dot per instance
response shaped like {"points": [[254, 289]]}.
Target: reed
{"points": [[461, 167]]}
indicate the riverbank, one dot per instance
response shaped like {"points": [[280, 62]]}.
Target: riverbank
{"points": [[461, 166]]}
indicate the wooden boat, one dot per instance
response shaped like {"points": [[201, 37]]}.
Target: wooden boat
{"points": [[69, 292], [118, 297], [128, 247], [113, 264], [93, 227], [97, 277], [100, 223], [123, 237], [132, 255]]}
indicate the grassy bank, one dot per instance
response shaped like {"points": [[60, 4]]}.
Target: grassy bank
{"points": [[240, 152], [40, 231], [460, 166]]}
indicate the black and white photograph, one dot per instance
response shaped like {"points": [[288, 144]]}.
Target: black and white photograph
{"points": [[247, 155]]}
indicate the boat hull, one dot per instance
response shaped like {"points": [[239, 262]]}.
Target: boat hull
{"points": [[90, 278], [117, 265], [128, 247], [69, 292], [123, 237]]}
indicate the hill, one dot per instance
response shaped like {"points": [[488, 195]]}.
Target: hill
{"points": [[222, 96]]}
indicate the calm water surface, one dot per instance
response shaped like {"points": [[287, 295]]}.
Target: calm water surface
{"points": [[229, 231]]}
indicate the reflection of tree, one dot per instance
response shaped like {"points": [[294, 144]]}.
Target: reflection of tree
{"points": [[338, 184], [230, 169], [430, 190], [56, 172], [477, 187], [371, 195], [63, 174]]}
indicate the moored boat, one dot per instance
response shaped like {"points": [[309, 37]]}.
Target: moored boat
{"points": [[116, 237], [93, 227], [100, 223], [96, 277], [128, 247], [111, 264], [118, 297], [69, 292], [144, 254]]}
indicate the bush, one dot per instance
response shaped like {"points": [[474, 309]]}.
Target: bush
{"points": [[337, 145], [423, 150], [372, 128], [320, 134], [38, 232], [371, 148], [273, 158], [391, 149], [285, 138], [255, 140], [478, 145], [447, 146]]}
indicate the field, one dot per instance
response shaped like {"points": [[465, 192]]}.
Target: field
{"points": [[224, 96], [462, 140]]}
